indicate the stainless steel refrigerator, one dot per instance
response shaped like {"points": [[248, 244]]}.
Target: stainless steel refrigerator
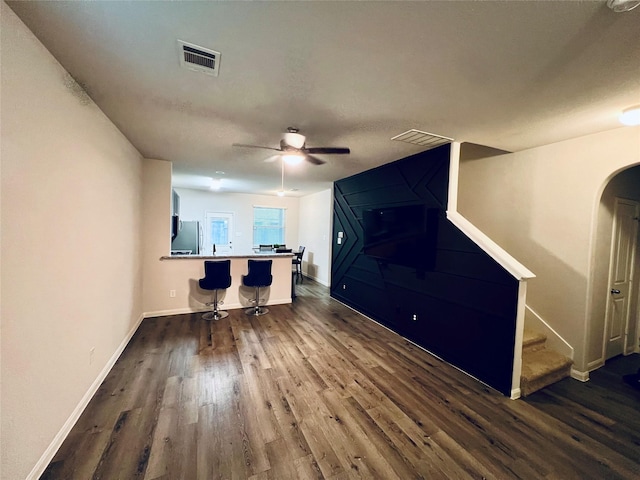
{"points": [[188, 240]]}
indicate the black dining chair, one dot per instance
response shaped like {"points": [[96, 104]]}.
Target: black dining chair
{"points": [[297, 261], [259, 275], [217, 276]]}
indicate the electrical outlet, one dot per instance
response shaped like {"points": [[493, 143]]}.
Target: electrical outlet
{"points": [[415, 317], [172, 293], [91, 352], [344, 287]]}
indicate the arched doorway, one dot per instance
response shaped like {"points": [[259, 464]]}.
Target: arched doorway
{"points": [[622, 191]]}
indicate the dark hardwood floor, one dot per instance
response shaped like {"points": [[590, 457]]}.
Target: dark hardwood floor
{"points": [[314, 390]]}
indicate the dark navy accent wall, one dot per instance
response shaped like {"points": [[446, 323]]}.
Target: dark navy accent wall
{"points": [[462, 307]]}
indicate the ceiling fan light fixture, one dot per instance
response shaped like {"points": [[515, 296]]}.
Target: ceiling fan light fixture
{"points": [[292, 147], [293, 158], [630, 116], [622, 5], [294, 139]]}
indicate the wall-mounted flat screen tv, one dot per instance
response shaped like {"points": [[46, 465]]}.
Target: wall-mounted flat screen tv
{"points": [[402, 235]]}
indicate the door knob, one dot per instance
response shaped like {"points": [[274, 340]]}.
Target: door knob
{"points": [[615, 291]]}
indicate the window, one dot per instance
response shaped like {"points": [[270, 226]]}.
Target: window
{"points": [[218, 232], [268, 226]]}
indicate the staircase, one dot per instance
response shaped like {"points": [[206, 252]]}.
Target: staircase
{"points": [[540, 367]]}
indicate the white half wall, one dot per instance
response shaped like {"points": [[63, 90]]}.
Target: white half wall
{"points": [[70, 253]]}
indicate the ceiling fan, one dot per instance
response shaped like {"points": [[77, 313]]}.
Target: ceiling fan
{"points": [[293, 143]]}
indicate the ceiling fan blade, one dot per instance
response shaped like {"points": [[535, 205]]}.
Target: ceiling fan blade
{"points": [[314, 160], [328, 150], [271, 159], [254, 146]]}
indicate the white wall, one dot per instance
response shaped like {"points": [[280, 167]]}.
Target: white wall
{"points": [[156, 236], [70, 251], [316, 217], [541, 206]]}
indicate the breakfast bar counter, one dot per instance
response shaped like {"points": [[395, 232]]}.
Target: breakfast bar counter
{"points": [[224, 256], [183, 272]]}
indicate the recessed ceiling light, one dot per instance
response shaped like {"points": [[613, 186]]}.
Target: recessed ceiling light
{"points": [[216, 183], [630, 116]]}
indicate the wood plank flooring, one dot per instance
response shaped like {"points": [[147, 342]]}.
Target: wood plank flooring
{"points": [[313, 390]]}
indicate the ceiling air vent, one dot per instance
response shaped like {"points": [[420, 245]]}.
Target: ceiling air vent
{"points": [[199, 59], [424, 139]]}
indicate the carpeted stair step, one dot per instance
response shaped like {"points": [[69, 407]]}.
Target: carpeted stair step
{"points": [[532, 341], [541, 368]]}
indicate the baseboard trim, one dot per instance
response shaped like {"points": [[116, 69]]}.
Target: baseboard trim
{"points": [[231, 306], [315, 279], [60, 437], [181, 311], [595, 364], [578, 375]]}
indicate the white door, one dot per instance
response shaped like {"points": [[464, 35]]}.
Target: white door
{"points": [[218, 231], [623, 248]]}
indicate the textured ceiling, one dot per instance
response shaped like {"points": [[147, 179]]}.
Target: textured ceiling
{"points": [[510, 75]]}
